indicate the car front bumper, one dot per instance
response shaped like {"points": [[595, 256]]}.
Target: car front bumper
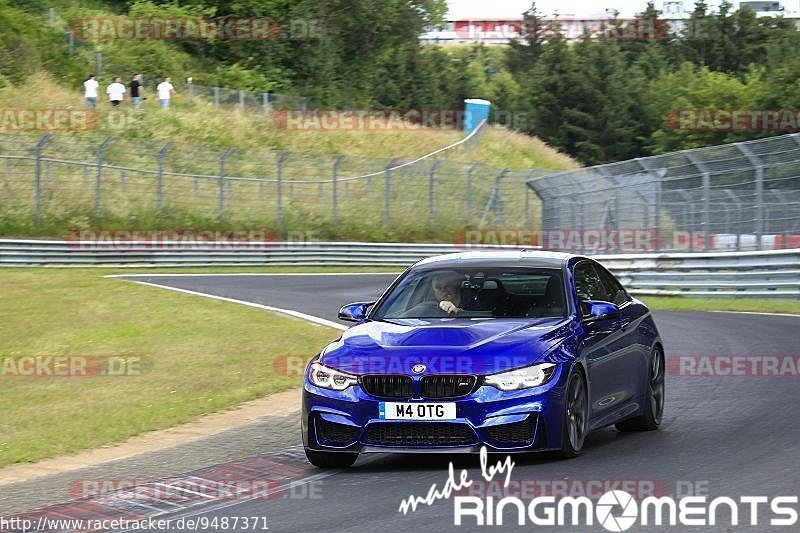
{"points": [[502, 421]]}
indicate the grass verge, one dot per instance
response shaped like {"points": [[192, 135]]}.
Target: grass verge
{"points": [[206, 356], [754, 305]]}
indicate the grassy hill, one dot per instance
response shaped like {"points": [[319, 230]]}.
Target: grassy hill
{"points": [[200, 123], [39, 70], [201, 133]]}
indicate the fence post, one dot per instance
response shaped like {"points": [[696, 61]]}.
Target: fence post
{"points": [[494, 199], [706, 210], [265, 100], [335, 191], [432, 191], [470, 174], [98, 58], [71, 39], [758, 166], [160, 181], [656, 200], [38, 176], [241, 99], [216, 96], [222, 160], [282, 157], [530, 176], [122, 180], [387, 209], [98, 182], [706, 175], [189, 90]]}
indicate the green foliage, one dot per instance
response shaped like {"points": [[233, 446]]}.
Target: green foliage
{"points": [[598, 100], [603, 101]]}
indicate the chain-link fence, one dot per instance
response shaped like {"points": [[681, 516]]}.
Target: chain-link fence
{"points": [[741, 196], [225, 97], [77, 181]]}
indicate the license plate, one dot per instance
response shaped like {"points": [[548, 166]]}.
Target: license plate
{"points": [[416, 411]]}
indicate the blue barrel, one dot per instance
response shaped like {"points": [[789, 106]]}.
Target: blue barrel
{"points": [[475, 112]]}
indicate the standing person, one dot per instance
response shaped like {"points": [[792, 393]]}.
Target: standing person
{"points": [[165, 90], [90, 91], [137, 91], [116, 91]]}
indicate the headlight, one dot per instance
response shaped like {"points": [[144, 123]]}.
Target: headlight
{"points": [[328, 378], [523, 378]]}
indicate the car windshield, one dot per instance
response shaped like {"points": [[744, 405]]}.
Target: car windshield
{"points": [[476, 293]]}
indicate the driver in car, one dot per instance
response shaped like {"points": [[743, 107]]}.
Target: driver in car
{"points": [[447, 289], [444, 298]]}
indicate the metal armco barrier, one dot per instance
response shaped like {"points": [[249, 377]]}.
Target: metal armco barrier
{"points": [[770, 273]]}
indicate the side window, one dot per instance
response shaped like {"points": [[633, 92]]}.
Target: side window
{"points": [[588, 285], [618, 294]]}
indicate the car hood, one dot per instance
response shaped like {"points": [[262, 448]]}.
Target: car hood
{"points": [[460, 346]]}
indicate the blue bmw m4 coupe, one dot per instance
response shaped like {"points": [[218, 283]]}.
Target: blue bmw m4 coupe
{"points": [[515, 351]]}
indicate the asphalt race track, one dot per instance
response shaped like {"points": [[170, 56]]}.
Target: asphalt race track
{"points": [[725, 436]]}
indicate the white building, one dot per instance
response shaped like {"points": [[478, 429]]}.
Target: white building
{"points": [[499, 31]]}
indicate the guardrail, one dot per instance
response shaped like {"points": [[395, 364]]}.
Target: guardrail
{"points": [[767, 273]]}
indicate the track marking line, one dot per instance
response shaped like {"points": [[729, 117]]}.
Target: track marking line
{"points": [[253, 274], [757, 313], [296, 314]]}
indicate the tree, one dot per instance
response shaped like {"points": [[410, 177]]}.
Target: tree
{"points": [[524, 53]]}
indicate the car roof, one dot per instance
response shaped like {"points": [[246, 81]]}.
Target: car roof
{"points": [[530, 258]]}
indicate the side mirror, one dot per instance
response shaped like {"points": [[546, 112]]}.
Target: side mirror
{"points": [[598, 310], [355, 312]]}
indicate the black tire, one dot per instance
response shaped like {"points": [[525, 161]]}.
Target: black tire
{"points": [[576, 416], [331, 459], [653, 412]]}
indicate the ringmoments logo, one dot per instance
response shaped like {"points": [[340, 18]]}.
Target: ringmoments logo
{"points": [[605, 508], [615, 510], [618, 510]]}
